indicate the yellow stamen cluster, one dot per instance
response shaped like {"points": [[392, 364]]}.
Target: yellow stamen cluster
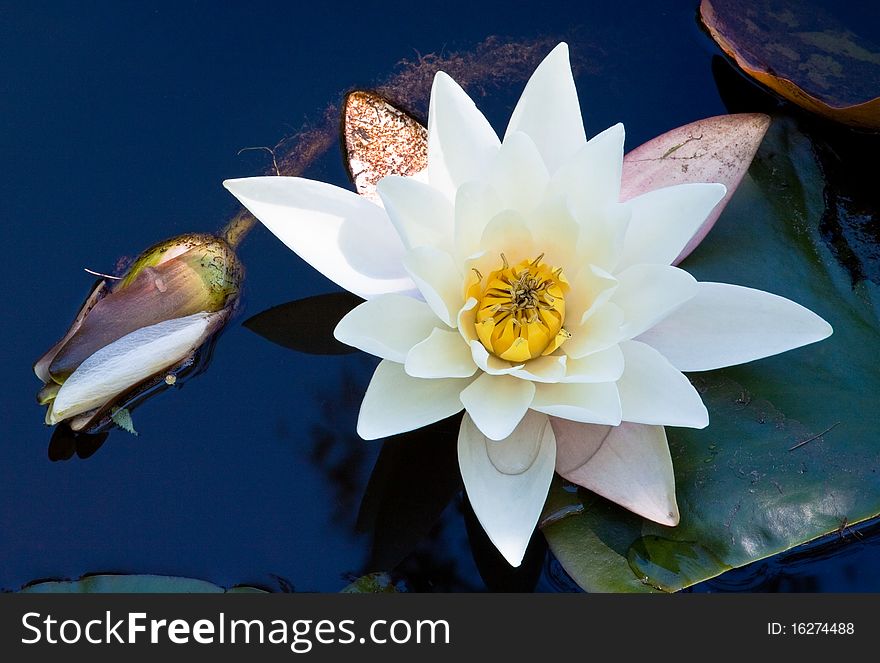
{"points": [[521, 309]]}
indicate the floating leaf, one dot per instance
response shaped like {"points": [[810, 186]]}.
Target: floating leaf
{"points": [[717, 149], [128, 584], [380, 140], [791, 450], [306, 325], [802, 53]]}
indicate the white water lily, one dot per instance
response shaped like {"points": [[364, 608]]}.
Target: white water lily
{"points": [[509, 280]]}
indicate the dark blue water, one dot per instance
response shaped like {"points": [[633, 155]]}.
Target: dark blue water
{"points": [[117, 125]]}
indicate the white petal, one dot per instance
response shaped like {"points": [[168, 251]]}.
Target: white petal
{"points": [[518, 173], [648, 293], [461, 142], [543, 369], [396, 403], [590, 290], [549, 112], [591, 178], [421, 214], [576, 442], [557, 233], [589, 403], [634, 469], [387, 326], [444, 354], [507, 481], [603, 366], [344, 236], [491, 364], [496, 403], [598, 332], [476, 203], [653, 391], [507, 233], [438, 279], [124, 363], [664, 220], [725, 325], [603, 231]]}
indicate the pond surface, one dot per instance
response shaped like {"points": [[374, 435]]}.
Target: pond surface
{"points": [[117, 126]]}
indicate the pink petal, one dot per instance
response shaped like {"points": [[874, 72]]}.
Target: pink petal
{"points": [[717, 149]]}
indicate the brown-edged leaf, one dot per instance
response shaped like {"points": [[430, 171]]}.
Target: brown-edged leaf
{"points": [[380, 140], [803, 53]]}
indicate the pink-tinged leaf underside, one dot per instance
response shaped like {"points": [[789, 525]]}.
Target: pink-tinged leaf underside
{"points": [[717, 149]]}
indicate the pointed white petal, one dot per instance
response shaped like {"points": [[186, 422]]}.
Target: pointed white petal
{"points": [[633, 468], [461, 142], [507, 481], [725, 325], [128, 361], [648, 293], [543, 369], [491, 364], [421, 214], [653, 391], [603, 366], [444, 354], [387, 326], [590, 290], [557, 232], [588, 403], [598, 332], [603, 231], [576, 443], [518, 173], [344, 236], [439, 280], [549, 111], [507, 233], [476, 203], [591, 178], [397, 403], [664, 221], [497, 403]]}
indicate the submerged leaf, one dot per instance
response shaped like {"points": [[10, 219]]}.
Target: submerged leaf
{"points": [[122, 418], [372, 583], [130, 584], [306, 325], [803, 54]]}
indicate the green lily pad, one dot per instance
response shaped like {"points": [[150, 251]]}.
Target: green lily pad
{"points": [[791, 452], [132, 584]]}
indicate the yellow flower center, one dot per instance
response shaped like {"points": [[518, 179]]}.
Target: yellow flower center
{"points": [[521, 309]]}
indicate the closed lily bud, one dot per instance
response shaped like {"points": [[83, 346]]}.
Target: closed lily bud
{"points": [[129, 335]]}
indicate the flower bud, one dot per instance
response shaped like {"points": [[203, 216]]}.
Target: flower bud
{"points": [[128, 336]]}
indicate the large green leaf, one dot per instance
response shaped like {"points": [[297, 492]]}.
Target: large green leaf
{"points": [[747, 488]]}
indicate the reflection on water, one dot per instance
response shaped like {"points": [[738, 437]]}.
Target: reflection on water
{"points": [[65, 443]]}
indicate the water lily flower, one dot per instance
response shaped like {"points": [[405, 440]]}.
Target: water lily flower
{"points": [[128, 337], [511, 280]]}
